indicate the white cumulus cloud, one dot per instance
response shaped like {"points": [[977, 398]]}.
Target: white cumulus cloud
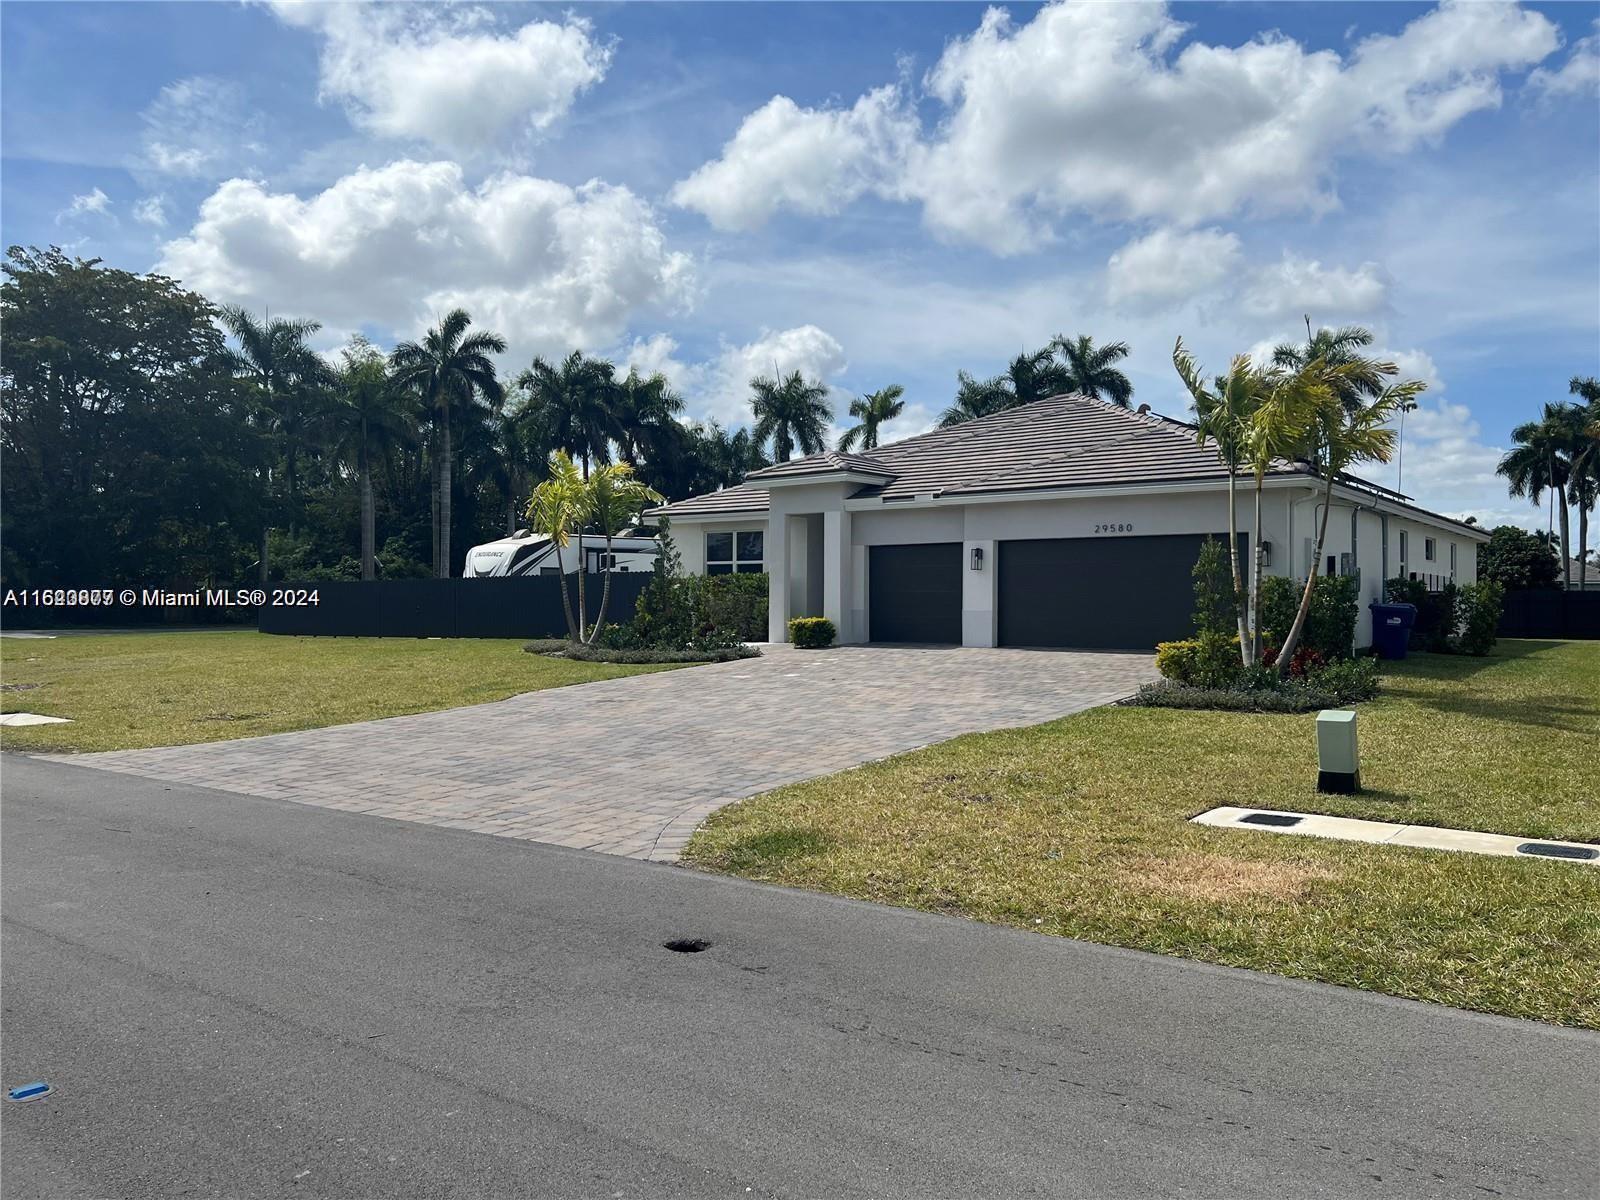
{"points": [[94, 202], [449, 77], [1170, 265], [151, 210], [1578, 76], [1330, 294], [551, 267], [1093, 108]]}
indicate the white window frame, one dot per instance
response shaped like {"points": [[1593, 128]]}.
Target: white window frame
{"points": [[1430, 549], [735, 564], [1405, 549]]}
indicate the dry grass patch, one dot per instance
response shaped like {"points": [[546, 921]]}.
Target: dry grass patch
{"points": [[1219, 878]]}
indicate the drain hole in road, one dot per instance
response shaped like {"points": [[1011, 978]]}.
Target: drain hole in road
{"points": [[687, 945], [1549, 850], [1269, 819]]}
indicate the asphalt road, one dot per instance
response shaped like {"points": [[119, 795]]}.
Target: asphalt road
{"points": [[238, 997]]}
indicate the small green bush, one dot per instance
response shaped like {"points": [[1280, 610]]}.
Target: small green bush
{"points": [[811, 633], [1178, 660], [1478, 608], [1330, 630]]}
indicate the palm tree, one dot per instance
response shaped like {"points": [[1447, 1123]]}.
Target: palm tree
{"points": [[1336, 347], [1029, 377], [449, 369], [1222, 415], [790, 410], [646, 418], [558, 508], [1586, 466], [365, 416], [289, 375], [521, 449], [1091, 370], [1309, 409], [578, 398], [1542, 462], [614, 499], [872, 411]]}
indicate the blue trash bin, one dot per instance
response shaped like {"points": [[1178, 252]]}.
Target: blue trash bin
{"points": [[1391, 628]]}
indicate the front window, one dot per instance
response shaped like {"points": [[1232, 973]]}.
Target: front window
{"points": [[735, 552], [1429, 549]]}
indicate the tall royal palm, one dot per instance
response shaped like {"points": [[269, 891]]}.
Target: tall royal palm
{"points": [[872, 412], [1586, 466], [577, 398], [290, 377], [449, 369], [365, 416], [1091, 370], [791, 411], [646, 413]]}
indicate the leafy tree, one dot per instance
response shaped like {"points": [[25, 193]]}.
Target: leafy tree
{"points": [[127, 452], [449, 369], [790, 410], [872, 411], [365, 414], [1091, 370], [1515, 558]]}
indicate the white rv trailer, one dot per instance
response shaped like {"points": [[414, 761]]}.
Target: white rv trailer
{"points": [[528, 554]]}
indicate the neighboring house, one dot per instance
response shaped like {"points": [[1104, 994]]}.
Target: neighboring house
{"points": [[1068, 522]]}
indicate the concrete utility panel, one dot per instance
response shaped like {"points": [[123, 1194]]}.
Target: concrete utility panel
{"points": [[1386, 833], [1338, 764]]}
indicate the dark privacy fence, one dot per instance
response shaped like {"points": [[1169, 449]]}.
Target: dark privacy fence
{"points": [[1551, 613], [466, 608]]}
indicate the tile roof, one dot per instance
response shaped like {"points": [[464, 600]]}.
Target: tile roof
{"points": [[1065, 441]]}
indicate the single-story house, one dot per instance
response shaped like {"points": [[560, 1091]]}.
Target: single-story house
{"points": [[1069, 522]]}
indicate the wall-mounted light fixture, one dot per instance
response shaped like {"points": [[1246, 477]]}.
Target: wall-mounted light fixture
{"points": [[977, 558]]}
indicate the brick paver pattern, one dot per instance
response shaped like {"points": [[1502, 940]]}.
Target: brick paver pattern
{"points": [[632, 766]]}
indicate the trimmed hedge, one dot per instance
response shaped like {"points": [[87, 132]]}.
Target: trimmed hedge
{"points": [[812, 633], [561, 648], [1348, 681]]}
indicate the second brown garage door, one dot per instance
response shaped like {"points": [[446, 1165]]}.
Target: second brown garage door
{"points": [[1114, 593]]}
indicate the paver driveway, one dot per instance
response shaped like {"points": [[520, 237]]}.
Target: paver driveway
{"points": [[631, 766]]}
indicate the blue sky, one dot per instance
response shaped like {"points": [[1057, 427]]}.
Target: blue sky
{"points": [[871, 193]]}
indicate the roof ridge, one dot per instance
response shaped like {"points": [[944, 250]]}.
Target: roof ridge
{"points": [[962, 430]]}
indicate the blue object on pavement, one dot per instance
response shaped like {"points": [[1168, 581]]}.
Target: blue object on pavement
{"points": [[28, 1091], [1391, 628]]}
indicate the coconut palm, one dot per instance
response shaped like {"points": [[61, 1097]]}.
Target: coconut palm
{"points": [[872, 411], [1091, 370], [1586, 465], [790, 410], [520, 450], [1541, 462], [1222, 416], [645, 413], [449, 369], [365, 416], [578, 397], [1309, 410]]}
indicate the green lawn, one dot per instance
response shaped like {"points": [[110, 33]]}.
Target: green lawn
{"points": [[1079, 828], [166, 689]]}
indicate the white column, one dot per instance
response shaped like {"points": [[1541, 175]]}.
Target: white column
{"points": [[978, 611], [836, 573], [777, 559]]}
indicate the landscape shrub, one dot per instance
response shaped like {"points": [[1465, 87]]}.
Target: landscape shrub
{"points": [[1330, 622], [562, 648], [1347, 681], [735, 603], [703, 611], [811, 633], [1179, 660], [1479, 608]]}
